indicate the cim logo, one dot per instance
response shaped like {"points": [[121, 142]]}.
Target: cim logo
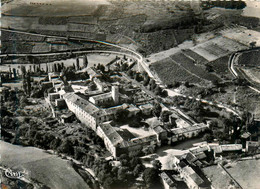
{"points": [[35, 3], [14, 174]]}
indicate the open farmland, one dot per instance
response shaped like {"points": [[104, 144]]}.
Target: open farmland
{"points": [[249, 59], [48, 169], [219, 179], [11, 36], [210, 50], [169, 71], [55, 8], [190, 66], [220, 66], [246, 172], [242, 35], [194, 56], [217, 46], [253, 74], [151, 26]]}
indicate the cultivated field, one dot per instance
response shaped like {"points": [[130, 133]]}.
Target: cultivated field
{"points": [[246, 173], [48, 169], [220, 66], [217, 176], [249, 59], [189, 65], [92, 59], [169, 71], [242, 35], [253, 74], [54, 8]]}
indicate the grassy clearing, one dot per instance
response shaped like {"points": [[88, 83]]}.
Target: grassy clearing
{"points": [[216, 175], [45, 168], [246, 173]]}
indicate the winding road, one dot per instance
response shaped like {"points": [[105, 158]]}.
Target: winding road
{"points": [[232, 70]]}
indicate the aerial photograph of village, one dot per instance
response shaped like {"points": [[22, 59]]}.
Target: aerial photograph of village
{"points": [[130, 94]]}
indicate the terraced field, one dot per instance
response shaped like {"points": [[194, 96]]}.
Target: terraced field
{"points": [[250, 59], [193, 55], [220, 66], [169, 71], [189, 65]]}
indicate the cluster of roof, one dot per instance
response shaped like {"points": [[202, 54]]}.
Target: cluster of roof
{"points": [[93, 72], [103, 96], [216, 148], [179, 131], [122, 137], [117, 137], [81, 103]]}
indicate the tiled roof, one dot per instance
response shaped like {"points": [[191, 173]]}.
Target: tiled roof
{"points": [[93, 72], [178, 131], [231, 147], [113, 110], [158, 129], [102, 96], [196, 178], [190, 157], [167, 178], [82, 103]]}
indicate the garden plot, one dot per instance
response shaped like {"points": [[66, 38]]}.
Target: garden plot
{"points": [[53, 8], [250, 59], [169, 71], [253, 74], [228, 44], [210, 50], [189, 65], [194, 56], [201, 50], [41, 47], [246, 173], [242, 35], [83, 19], [82, 27]]}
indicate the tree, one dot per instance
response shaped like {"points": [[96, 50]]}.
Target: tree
{"points": [[165, 115], [152, 84], [109, 182], [207, 137], [130, 73], [29, 86], [66, 147], [121, 115], [157, 164], [252, 44], [151, 177], [138, 168], [14, 72], [92, 86], [157, 90], [77, 63], [122, 173], [187, 84], [85, 61], [23, 70], [157, 109]]}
